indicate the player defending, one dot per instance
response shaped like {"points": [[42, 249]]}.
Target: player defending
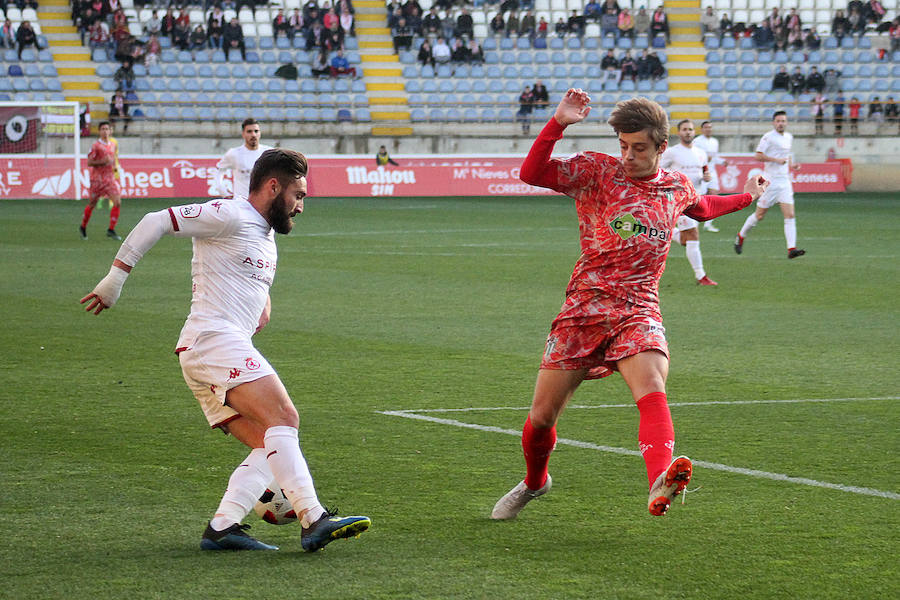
{"points": [[103, 159], [610, 320], [774, 149], [240, 160], [706, 142], [232, 269], [688, 159]]}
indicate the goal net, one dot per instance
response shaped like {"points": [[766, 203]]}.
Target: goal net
{"points": [[39, 150]]}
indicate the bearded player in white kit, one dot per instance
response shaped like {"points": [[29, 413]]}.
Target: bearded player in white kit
{"points": [[691, 161], [232, 269], [240, 160], [774, 149]]}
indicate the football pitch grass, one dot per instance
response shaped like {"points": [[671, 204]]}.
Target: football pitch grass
{"points": [[408, 332]]}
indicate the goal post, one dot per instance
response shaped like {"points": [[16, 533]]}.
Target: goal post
{"points": [[40, 149]]}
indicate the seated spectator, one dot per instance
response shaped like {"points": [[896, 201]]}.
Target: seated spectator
{"points": [[118, 110], [25, 37], [402, 36], [643, 65], [781, 38], [642, 22], [341, 66], [726, 27], [626, 24], [198, 38], [657, 71], [561, 28], [781, 81], [459, 53], [168, 22], [610, 66], [876, 110], [348, 25], [153, 24], [527, 25], [425, 57], [832, 81], [152, 50], [526, 105], [813, 41], [795, 39], [814, 81], [540, 95], [659, 24], [84, 22], [709, 23], [181, 35], [576, 23], [124, 43], [23, 4], [280, 24], [874, 11], [628, 66], [609, 24], [476, 53], [330, 19], [233, 39], [592, 11], [512, 24], [542, 27], [334, 38], [763, 36], [857, 22], [315, 36], [465, 25], [296, 24], [855, 106], [124, 76], [120, 18], [215, 27], [798, 82], [793, 20], [894, 34], [99, 37], [892, 112], [431, 24], [8, 35], [441, 51], [498, 25], [320, 66]]}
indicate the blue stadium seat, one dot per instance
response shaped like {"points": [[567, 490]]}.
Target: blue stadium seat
{"points": [[591, 43], [865, 72], [417, 115], [711, 42], [748, 71], [557, 43], [748, 58], [728, 43], [764, 71], [108, 85], [865, 57], [713, 57], [429, 86], [523, 43], [463, 86], [363, 115]]}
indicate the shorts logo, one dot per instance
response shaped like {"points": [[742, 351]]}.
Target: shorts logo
{"points": [[626, 226], [190, 212], [217, 205], [212, 388], [551, 344], [251, 364], [234, 374]]}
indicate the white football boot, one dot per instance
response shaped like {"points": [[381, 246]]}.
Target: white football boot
{"points": [[515, 500]]}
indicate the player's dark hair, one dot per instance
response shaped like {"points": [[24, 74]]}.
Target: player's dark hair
{"points": [[102, 123], [638, 114], [778, 113], [704, 123], [284, 165], [248, 121], [683, 121]]}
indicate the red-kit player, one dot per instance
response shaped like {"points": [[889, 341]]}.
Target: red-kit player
{"points": [[610, 320], [102, 161]]}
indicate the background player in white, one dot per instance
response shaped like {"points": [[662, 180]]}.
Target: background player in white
{"points": [[240, 160], [774, 149], [690, 160], [232, 270], [706, 142]]}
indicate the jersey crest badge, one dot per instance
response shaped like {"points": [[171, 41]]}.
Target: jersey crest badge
{"points": [[190, 212]]}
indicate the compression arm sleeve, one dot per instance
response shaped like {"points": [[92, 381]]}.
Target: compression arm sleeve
{"points": [[539, 169], [711, 207], [145, 234]]}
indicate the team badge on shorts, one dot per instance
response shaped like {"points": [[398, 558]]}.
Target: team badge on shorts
{"points": [[251, 364]]}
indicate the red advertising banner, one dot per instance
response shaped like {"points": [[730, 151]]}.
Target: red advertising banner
{"points": [[32, 176], [18, 129]]}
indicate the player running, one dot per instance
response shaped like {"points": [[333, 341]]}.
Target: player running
{"points": [[240, 160], [688, 159], [232, 270], [774, 149], [610, 321], [706, 142], [103, 159]]}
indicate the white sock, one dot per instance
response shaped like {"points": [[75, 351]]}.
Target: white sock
{"points": [[749, 224], [292, 473], [790, 232], [692, 248], [246, 485]]}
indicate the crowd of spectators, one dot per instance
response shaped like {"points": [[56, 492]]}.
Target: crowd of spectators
{"points": [[18, 37]]}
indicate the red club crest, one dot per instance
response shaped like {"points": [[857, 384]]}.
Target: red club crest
{"points": [[251, 364]]}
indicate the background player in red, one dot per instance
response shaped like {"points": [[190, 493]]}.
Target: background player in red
{"points": [[610, 320], [102, 161]]}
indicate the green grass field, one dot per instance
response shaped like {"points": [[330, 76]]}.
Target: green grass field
{"points": [[109, 472]]}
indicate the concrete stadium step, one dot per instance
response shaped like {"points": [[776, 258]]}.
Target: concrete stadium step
{"points": [[381, 67]]}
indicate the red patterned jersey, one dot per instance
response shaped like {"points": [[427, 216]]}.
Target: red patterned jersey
{"points": [[100, 151]]}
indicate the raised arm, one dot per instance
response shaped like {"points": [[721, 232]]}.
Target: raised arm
{"points": [[710, 207], [539, 169]]}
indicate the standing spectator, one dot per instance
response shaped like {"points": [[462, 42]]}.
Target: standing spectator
{"points": [[818, 111], [526, 105], [876, 110], [855, 107], [25, 37], [215, 27], [659, 24], [798, 82], [541, 95], [233, 39], [781, 81], [814, 81], [382, 158], [837, 108], [402, 36], [709, 23], [441, 51], [118, 110], [892, 112], [280, 24], [424, 55], [341, 66]]}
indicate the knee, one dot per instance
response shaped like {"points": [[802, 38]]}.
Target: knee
{"points": [[543, 417]]}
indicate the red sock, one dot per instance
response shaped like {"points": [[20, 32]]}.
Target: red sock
{"points": [[113, 216], [537, 445], [656, 435], [87, 215]]}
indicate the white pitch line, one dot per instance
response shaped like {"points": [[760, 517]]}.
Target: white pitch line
{"points": [[407, 414]]}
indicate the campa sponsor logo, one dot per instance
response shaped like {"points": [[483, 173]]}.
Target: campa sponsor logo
{"points": [[626, 226]]}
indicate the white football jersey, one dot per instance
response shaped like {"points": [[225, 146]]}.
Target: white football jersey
{"points": [[710, 145], [776, 145], [688, 161], [232, 268], [240, 160]]}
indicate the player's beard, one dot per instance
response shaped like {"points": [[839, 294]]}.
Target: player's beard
{"points": [[279, 216]]}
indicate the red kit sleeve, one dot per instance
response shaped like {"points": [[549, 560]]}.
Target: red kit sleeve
{"points": [[539, 169], [711, 207]]}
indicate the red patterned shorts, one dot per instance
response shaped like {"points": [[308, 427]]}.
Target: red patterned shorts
{"points": [[598, 346], [107, 187]]}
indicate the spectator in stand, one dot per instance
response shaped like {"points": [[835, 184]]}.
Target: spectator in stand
{"points": [[813, 41], [626, 24], [168, 23], [334, 38], [607, 4], [118, 110], [798, 82], [818, 111], [526, 105], [330, 19], [781, 38], [424, 55], [181, 34], [320, 66], [814, 81], [781, 81], [610, 66], [280, 24], [894, 34], [459, 54], [152, 51], [296, 24], [540, 95], [876, 110], [498, 25], [84, 23], [642, 22], [775, 19], [184, 19], [892, 112], [609, 24], [512, 24], [795, 39], [198, 39], [837, 108], [628, 66], [448, 24], [441, 51], [874, 11], [542, 27], [315, 36], [561, 28], [8, 35], [402, 36], [840, 25], [528, 25], [465, 25], [659, 24], [592, 11], [643, 65], [857, 22], [153, 24], [311, 11], [476, 53], [709, 23], [25, 37], [119, 18], [657, 71], [341, 66], [348, 23], [832, 81], [124, 76], [726, 27], [431, 24], [576, 23], [99, 36], [763, 36], [215, 27], [23, 4], [855, 107], [233, 39], [793, 20]]}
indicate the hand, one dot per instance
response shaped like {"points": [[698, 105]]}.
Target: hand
{"points": [[782, 161], [106, 293], [756, 186], [96, 302], [573, 107]]}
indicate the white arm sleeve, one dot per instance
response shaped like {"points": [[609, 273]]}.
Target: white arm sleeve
{"points": [[144, 235]]}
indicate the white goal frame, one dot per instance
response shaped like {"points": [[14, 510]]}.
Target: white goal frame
{"points": [[76, 137]]}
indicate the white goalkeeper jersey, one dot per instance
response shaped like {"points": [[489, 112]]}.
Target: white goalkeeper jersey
{"points": [[776, 145], [240, 160], [232, 268], [688, 161]]}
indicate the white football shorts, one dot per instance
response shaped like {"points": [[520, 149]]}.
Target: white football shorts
{"points": [[683, 223], [216, 363], [778, 192]]}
